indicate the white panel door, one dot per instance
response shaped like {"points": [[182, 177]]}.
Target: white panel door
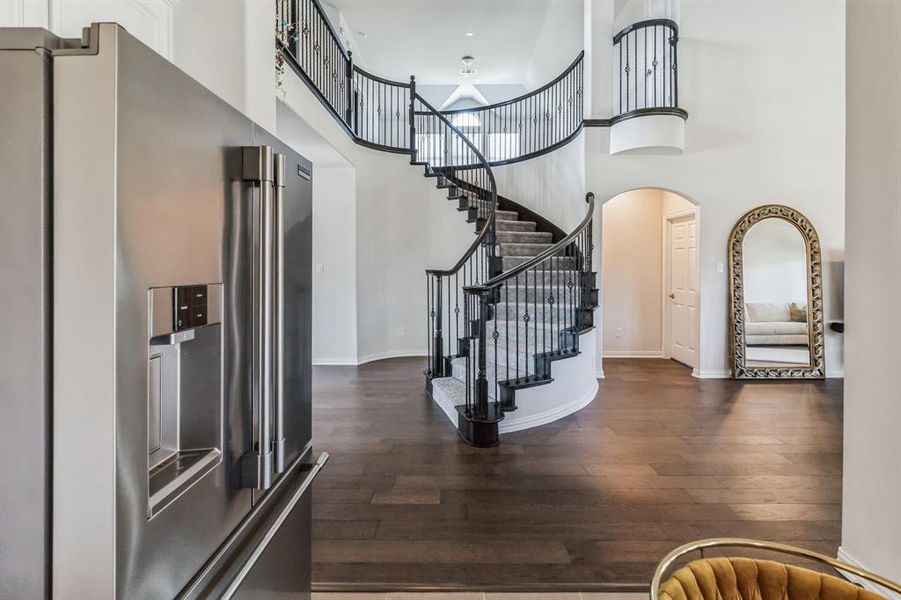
{"points": [[683, 290]]}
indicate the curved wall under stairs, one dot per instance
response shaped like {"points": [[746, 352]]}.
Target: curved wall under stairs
{"points": [[573, 388]]}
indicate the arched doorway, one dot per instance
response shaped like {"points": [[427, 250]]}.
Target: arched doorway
{"points": [[650, 277]]}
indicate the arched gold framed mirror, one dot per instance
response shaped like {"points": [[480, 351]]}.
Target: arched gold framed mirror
{"points": [[776, 296]]}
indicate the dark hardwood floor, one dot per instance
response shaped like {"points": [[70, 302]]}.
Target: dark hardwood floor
{"points": [[658, 459]]}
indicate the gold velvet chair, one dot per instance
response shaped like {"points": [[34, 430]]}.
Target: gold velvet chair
{"points": [[755, 579]]}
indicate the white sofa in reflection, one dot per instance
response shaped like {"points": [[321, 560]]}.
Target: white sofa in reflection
{"points": [[771, 324]]}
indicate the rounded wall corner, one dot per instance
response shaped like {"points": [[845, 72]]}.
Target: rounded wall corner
{"points": [[648, 134]]}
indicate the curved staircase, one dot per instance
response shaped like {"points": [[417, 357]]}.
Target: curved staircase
{"points": [[523, 291]]}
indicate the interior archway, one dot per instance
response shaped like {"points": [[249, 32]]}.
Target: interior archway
{"points": [[650, 277]]}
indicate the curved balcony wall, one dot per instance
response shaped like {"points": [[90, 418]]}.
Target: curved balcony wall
{"points": [[647, 117]]}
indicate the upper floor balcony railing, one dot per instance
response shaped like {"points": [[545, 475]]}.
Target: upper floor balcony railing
{"points": [[646, 67], [521, 128], [380, 113]]}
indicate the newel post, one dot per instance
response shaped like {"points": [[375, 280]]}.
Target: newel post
{"points": [[438, 340], [481, 387]]}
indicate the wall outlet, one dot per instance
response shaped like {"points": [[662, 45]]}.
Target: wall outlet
{"points": [[618, 332], [402, 331], [720, 267], [320, 267]]}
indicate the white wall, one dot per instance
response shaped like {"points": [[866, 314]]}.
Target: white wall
{"points": [[403, 224], [871, 490], [627, 12], [764, 87], [228, 46], [632, 275], [558, 43], [334, 265], [552, 185]]}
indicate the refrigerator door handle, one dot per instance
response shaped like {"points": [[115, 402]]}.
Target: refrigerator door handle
{"points": [[278, 297], [273, 527], [256, 464]]}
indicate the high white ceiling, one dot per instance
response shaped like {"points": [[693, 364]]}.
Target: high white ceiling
{"points": [[427, 38]]}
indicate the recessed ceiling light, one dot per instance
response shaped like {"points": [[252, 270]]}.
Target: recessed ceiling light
{"points": [[470, 34]]}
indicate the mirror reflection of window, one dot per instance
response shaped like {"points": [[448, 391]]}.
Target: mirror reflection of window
{"points": [[776, 295]]}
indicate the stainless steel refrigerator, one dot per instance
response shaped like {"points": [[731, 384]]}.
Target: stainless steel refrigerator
{"points": [[155, 326]]}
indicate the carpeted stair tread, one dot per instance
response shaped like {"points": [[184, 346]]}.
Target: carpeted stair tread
{"points": [[524, 237], [513, 225]]}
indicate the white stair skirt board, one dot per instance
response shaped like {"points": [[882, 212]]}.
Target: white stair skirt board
{"points": [[868, 585], [573, 388]]}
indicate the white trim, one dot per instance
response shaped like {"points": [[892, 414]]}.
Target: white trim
{"points": [[711, 373], [864, 583], [634, 354], [548, 416], [367, 358], [334, 362]]}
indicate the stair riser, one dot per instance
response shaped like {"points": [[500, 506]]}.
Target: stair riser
{"points": [[525, 237], [548, 279], [539, 312], [558, 262], [523, 249], [459, 372], [503, 225]]}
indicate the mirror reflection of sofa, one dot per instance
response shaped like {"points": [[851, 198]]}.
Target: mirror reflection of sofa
{"points": [[775, 324]]}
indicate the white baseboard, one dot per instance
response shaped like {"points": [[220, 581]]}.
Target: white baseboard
{"points": [[868, 585], [366, 358], [711, 373], [334, 362], [390, 354], [510, 424], [634, 354]]}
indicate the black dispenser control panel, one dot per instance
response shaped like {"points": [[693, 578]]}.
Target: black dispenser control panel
{"points": [[190, 306]]}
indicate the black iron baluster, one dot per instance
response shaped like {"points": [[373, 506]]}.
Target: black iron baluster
{"points": [[634, 35], [526, 317], [507, 327], [428, 319], [516, 327], [675, 69], [628, 68], [412, 141]]}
